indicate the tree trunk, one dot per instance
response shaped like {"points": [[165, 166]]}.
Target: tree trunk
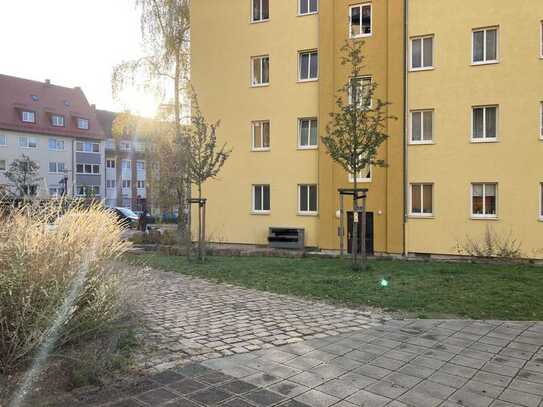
{"points": [[364, 254], [200, 230], [354, 244]]}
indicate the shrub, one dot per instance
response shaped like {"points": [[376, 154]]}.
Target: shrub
{"points": [[42, 250], [491, 245]]}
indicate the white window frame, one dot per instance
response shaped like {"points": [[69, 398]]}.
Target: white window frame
{"points": [[309, 146], [29, 140], [540, 214], [109, 161], [308, 7], [421, 214], [138, 162], [260, 20], [541, 39], [253, 129], [485, 61], [361, 78], [93, 166], [57, 142], [83, 144], [125, 145], [485, 139], [81, 121], [309, 78], [360, 5], [308, 212], [81, 188], [253, 201], [483, 215], [4, 143], [540, 122], [127, 182], [129, 164], [26, 114], [111, 183], [422, 67], [362, 179], [5, 165], [56, 167], [422, 112], [255, 84], [138, 184], [57, 120]]}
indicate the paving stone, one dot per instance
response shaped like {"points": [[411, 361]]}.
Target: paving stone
{"points": [[264, 398], [469, 399], [339, 388], [374, 372], [210, 397], [288, 388], [168, 377], [156, 397], [416, 399], [236, 402], [182, 402], [237, 387], [316, 398], [524, 399], [127, 403], [367, 399], [187, 386], [387, 389], [434, 390]]}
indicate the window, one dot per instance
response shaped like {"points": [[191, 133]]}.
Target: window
{"points": [[309, 66], [541, 40], [139, 146], [28, 117], [110, 163], [3, 140], [422, 126], [55, 192], [360, 91], [261, 10], [485, 46], [422, 199], [261, 71], [140, 165], [82, 124], [364, 175], [540, 200], [307, 199], [483, 200], [28, 142], [110, 144], [141, 184], [360, 20], [308, 7], [56, 144], [261, 135], [111, 183], [126, 183], [87, 147], [93, 169], [485, 123], [125, 145], [261, 198], [422, 53], [308, 133], [88, 190], [57, 120], [56, 168], [126, 164], [3, 165], [540, 125]]}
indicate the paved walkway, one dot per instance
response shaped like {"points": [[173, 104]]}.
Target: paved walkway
{"points": [[397, 364], [187, 318]]}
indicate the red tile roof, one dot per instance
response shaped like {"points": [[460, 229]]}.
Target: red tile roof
{"points": [[45, 99]]}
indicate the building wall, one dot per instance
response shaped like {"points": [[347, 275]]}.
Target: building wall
{"points": [[453, 162], [42, 155], [221, 72], [91, 158]]}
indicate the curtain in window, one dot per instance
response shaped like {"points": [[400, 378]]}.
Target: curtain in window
{"points": [[428, 51], [416, 199], [366, 19], [314, 133], [303, 198], [478, 123], [416, 126], [477, 199], [478, 46], [491, 45], [427, 198], [355, 21], [491, 120], [428, 126], [490, 199], [416, 53]]}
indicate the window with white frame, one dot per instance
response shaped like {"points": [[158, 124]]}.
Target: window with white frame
{"points": [[93, 169], [261, 198], [308, 7], [484, 200], [110, 163], [307, 199], [261, 135], [57, 120], [82, 124], [126, 164], [126, 183], [308, 132], [485, 46], [3, 165], [422, 126], [139, 146], [141, 184], [360, 24], [541, 40], [56, 167], [140, 165], [111, 183], [540, 124], [28, 116], [308, 65], [55, 144], [3, 140], [360, 91], [261, 10], [125, 145], [87, 147], [364, 175], [55, 192], [485, 123], [422, 200], [88, 190], [28, 142], [260, 70], [422, 53], [541, 201]]}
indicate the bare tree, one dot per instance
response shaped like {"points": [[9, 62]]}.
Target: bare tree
{"points": [[24, 176], [165, 27], [207, 159], [356, 130]]}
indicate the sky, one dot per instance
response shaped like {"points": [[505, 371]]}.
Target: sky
{"points": [[74, 43]]}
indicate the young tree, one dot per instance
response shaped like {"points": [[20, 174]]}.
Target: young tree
{"points": [[207, 159], [165, 27], [356, 130], [24, 176]]}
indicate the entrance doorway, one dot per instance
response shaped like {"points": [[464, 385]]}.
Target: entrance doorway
{"points": [[369, 232]]}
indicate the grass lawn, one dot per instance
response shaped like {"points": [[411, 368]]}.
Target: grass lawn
{"points": [[423, 290]]}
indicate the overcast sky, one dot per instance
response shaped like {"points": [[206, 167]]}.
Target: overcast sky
{"points": [[73, 43]]}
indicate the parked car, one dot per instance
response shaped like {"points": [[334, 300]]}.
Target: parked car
{"points": [[127, 217], [170, 217], [150, 218]]}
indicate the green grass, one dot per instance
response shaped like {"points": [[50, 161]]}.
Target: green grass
{"points": [[424, 290]]}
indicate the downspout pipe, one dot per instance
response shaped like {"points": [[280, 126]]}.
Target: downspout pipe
{"points": [[406, 126]]}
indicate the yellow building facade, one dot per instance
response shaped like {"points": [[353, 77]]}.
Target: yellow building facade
{"points": [[464, 153]]}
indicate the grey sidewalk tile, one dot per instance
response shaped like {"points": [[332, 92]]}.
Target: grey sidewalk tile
{"points": [[524, 399], [264, 398], [496, 368], [492, 378], [328, 371], [167, 377], [127, 403], [387, 363], [262, 379], [372, 371], [416, 399], [338, 388], [403, 379], [501, 403], [288, 388], [308, 379], [434, 390], [358, 381], [387, 389], [467, 362], [456, 370], [448, 379], [484, 389], [367, 399], [193, 370], [156, 397], [215, 378], [182, 402], [303, 363], [237, 387], [345, 363], [316, 398], [210, 397], [527, 387], [236, 402], [418, 371], [530, 376], [187, 386], [469, 399], [293, 403]]}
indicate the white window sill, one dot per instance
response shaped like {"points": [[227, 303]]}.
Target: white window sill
{"points": [[421, 143], [260, 213], [53, 149], [310, 214], [540, 219], [488, 140], [307, 80], [360, 180], [308, 147], [485, 63], [260, 85], [260, 21], [5, 145], [427, 68], [28, 148], [354, 37], [260, 150], [484, 217], [421, 216], [308, 14]]}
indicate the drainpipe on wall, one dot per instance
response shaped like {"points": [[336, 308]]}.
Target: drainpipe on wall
{"points": [[406, 125]]}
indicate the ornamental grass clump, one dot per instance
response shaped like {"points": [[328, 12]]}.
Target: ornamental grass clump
{"points": [[42, 250]]}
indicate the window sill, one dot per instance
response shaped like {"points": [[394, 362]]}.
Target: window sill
{"points": [[429, 68], [260, 213], [260, 21], [260, 150], [483, 217], [421, 143], [540, 219], [485, 63], [310, 147], [5, 145], [483, 141], [356, 37], [307, 80], [307, 14], [263, 85], [55, 150], [28, 148], [361, 180], [308, 214], [416, 216]]}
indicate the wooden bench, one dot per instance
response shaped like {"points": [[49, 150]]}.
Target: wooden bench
{"points": [[286, 238]]}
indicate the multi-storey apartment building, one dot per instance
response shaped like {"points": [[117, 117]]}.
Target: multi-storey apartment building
{"points": [[57, 128], [464, 155], [125, 174]]}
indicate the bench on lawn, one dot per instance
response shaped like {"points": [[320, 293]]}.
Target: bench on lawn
{"points": [[286, 238]]}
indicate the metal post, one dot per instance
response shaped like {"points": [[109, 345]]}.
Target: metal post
{"points": [[204, 231], [364, 234], [341, 227]]}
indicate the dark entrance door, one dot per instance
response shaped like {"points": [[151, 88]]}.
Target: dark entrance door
{"points": [[369, 232]]}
